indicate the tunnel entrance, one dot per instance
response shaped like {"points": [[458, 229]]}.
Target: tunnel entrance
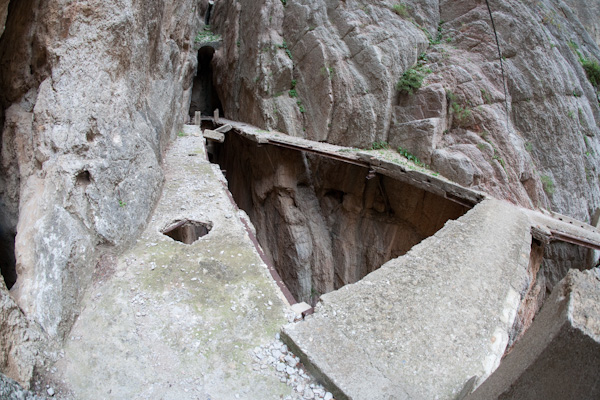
{"points": [[326, 223], [204, 96], [7, 256]]}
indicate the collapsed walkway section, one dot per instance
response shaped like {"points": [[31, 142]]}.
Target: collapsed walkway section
{"points": [[324, 217], [559, 356]]}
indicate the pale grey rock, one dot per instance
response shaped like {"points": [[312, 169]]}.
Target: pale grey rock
{"points": [[588, 12], [84, 130], [11, 390], [20, 342], [345, 58], [3, 14]]}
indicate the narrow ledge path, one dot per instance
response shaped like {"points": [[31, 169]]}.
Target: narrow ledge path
{"points": [[170, 320]]}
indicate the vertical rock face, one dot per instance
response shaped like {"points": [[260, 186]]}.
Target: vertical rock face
{"points": [[90, 92], [327, 70], [3, 14]]}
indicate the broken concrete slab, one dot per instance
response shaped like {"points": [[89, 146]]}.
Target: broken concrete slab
{"points": [[424, 324], [224, 128], [559, 355], [213, 135]]}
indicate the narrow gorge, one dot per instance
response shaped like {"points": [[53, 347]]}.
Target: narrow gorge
{"points": [[407, 170]]}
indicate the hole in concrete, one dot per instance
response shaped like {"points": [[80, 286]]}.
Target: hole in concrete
{"points": [[186, 231], [204, 96], [321, 222], [83, 178]]}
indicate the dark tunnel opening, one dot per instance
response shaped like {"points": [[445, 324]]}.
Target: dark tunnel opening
{"points": [[325, 223], [204, 95], [7, 255]]}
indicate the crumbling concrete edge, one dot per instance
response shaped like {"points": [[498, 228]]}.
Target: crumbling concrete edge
{"points": [[554, 323], [311, 367]]}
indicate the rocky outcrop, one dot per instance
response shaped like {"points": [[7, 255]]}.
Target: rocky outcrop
{"points": [[21, 342], [11, 390], [3, 14], [327, 71], [589, 15], [91, 93]]}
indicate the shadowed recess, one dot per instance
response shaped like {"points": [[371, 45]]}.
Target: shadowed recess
{"points": [[326, 223]]}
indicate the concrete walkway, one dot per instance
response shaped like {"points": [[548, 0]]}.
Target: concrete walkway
{"points": [[429, 323], [175, 321]]}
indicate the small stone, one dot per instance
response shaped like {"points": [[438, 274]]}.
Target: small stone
{"points": [[300, 388], [289, 370], [280, 367], [291, 360], [328, 396], [50, 392], [308, 394], [276, 353]]}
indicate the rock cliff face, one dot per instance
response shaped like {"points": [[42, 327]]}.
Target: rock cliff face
{"points": [[91, 93], [327, 70]]}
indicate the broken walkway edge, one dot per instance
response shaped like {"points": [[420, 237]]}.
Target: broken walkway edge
{"points": [[559, 355], [416, 176], [425, 323], [555, 226]]}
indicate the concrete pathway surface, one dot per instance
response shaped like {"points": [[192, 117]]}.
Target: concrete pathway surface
{"points": [[170, 320], [429, 323]]}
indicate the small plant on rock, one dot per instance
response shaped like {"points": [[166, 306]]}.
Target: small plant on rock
{"points": [[548, 184], [592, 70], [206, 36], [411, 81], [380, 146], [401, 9], [411, 157]]}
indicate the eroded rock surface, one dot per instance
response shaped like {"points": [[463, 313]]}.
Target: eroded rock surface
{"points": [[20, 342], [327, 70], [91, 93]]}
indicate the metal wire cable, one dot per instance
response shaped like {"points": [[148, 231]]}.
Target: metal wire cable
{"points": [[501, 64]]}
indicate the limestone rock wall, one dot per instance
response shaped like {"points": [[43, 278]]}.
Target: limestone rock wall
{"points": [[91, 92], [327, 70]]}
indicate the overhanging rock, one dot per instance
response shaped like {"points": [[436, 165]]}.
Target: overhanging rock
{"points": [[423, 325]]}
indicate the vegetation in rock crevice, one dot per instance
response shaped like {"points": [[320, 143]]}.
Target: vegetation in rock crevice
{"points": [[207, 36], [412, 79]]}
